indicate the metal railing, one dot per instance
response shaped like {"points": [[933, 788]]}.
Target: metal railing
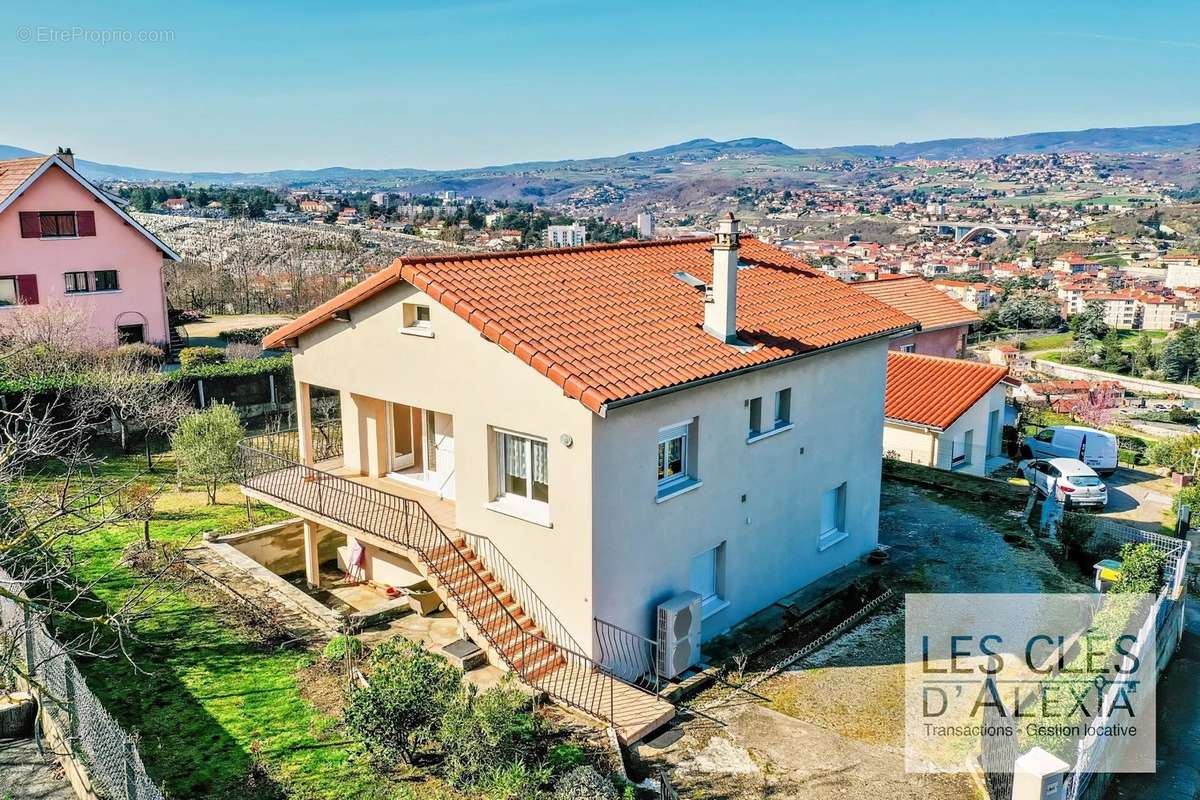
{"points": [[285, 442], [630, 656], [515, 584], [562, 672]]}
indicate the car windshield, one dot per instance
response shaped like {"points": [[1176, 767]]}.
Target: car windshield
{"points": [[1084, 480]]}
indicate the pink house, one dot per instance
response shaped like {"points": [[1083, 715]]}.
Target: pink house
{"points": [[64, 242]]}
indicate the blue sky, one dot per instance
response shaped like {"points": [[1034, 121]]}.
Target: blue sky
{"points": [[269, 85]]}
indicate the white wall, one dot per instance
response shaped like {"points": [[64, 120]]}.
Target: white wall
{"points": [[643, 549], [975, 419], [612, 551], [460, 373]]}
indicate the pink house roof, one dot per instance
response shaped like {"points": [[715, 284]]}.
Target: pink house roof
{"points": [[17, 175]]}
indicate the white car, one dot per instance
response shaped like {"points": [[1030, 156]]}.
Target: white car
{"points": [[1072, 482]]}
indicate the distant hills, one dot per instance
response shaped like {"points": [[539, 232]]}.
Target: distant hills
{"points": [[557, 174]]}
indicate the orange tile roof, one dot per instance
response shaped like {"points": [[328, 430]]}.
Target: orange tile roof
{"points": [[933, 391], [917, 298], [612, 322], [15, 171]]}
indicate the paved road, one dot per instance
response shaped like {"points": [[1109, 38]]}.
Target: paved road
{"points": [[1178, 731], [27, 775], [1139, 498]]}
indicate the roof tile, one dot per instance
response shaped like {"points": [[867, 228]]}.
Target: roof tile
{"points": [[611, 322], [933, 391]]}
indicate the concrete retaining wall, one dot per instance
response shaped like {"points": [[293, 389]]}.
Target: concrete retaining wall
{"points": [[280, 546], [1072, 372]]}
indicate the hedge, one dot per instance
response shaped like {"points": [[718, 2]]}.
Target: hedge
{"points": [[235, 369], [241, 368], [246, 335], [194, 357]]}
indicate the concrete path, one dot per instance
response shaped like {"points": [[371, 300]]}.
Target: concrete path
{"points": [[25, 774]]}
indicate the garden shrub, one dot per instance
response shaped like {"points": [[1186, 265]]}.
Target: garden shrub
{"points": [[192, 357], [1175, 452], [247, 335], [1187, 496], [140, 354], [563, 757], [1074, 532], [517, 781], [409, 692], [242, 351], [1141, 569], [486, 731], [339, 646], [584, 783]]}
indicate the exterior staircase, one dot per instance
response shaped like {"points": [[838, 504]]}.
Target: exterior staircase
{"points": [[178, 341], [488, 607]]}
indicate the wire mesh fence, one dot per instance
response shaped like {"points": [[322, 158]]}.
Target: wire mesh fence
{"points": [[97, 742]]}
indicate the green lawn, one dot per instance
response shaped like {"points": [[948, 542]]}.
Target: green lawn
{"points": [[1055, 341], [1062, 341], [203, 694]]}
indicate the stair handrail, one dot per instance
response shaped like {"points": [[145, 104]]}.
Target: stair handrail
{"points": [[319, 478], [497, 562]]}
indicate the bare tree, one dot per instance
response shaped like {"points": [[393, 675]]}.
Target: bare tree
{"points": [[122, 388], [50, 495]]}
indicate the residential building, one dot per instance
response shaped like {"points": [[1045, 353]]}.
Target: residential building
{"points": [[566, 235], [1158, 313], [65, 242], [1120, 308], [944, 322], [176, 204], [1182, 272], [645, 225], [945, 413], [1073, 263], [975, 296], [608, 427], [315, 207]]}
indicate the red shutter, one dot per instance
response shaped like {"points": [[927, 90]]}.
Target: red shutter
{"points": [[27, 293], [31, 225], [85, 223]]}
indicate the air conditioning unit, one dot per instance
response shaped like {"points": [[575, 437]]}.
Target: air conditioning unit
{"points": [[678, 634]]}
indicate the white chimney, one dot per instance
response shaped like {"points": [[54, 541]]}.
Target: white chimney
{"points": [[720, 307]]}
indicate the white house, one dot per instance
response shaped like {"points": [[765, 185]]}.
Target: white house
{"points": [[573, 235], [944, 412], [575, 437]]}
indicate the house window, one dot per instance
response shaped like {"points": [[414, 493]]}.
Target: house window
{"points": [[76, 282], [908, 348], [524, 473], [8, 291], [783, 407], [780, 419], [676, 459], [417, 320], [706, 578], [833, 517], [56, 224], [105, 280], [755, 416]]}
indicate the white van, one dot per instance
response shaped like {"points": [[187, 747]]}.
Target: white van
{"points": [[1097, 449]]}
